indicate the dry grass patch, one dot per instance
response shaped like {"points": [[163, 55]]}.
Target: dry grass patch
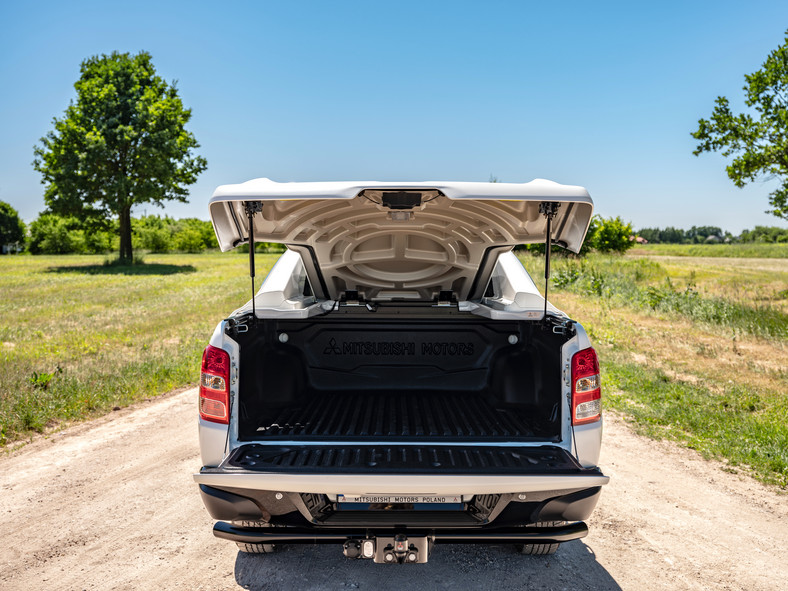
{"points": [[720, 391], [680, 346]]}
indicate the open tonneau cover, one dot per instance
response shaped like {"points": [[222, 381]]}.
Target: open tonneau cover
{"points": [[408, 241]]}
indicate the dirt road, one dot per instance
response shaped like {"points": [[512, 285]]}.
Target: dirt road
{"points": [[111, 505]]}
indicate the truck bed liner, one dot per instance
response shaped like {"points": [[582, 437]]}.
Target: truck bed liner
{"points": [[402, 416]]}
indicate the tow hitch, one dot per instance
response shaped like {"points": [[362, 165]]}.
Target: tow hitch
{"points": [[396, 550]]}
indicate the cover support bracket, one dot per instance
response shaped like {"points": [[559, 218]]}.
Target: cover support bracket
{"points": [[548, 209], [252, 207]]}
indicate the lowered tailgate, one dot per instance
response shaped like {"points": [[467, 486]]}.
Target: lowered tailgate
{"points": [[405, 469]]}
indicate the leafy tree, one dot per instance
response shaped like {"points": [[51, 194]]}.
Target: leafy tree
{"points": [[122, 143], [12, 228], [612, 235], [671, 235], [650, 234], [765, 234], [760, 142], [701, 234]]}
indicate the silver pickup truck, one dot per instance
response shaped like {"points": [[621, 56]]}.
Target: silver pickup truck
{"points": [[398, 381]]}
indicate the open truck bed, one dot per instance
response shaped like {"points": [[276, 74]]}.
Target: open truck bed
{"points": [[388, 376]]}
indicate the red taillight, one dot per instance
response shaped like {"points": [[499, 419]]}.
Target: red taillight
{"points": [[215, 385], [586, 391]]}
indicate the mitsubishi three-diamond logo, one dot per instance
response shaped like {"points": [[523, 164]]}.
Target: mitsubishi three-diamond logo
{"points": [[332, 348]]}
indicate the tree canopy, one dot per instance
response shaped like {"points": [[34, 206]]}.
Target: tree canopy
{"points": [[12, 228], [758, 139], [123, 142]]}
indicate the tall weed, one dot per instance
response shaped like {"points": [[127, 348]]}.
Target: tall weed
{"points": [[645, 284]]}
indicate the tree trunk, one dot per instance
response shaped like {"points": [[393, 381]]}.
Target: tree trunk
{"points": [[125, 235]]}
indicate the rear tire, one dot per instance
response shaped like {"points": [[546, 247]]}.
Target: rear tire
{"points": [[537, 549], [254, 548], [540, 549]]}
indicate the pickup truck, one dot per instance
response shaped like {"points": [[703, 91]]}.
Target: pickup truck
{"points": [[398, 381]]}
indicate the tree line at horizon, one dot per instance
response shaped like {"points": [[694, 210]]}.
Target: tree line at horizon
{"points": [[56, 234], [713, 234], [51, 233]]}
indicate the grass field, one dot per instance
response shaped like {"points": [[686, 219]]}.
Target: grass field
{"points": [[752, 250], [693, 349], [745, 295], [78, 338]]}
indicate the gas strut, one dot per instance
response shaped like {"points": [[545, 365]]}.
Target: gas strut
{"points": [[548, 209], [252, 207]]}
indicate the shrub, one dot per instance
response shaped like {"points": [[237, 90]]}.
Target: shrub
{"points": [[203, 228], [53, 234], [154, 239], [604, 235], [189, 240], [612, 235], [12, 228], [264, 247], [152, 233], [98, 241]]}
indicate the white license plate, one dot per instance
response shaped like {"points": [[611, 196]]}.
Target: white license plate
{"points": [[391, 499]]}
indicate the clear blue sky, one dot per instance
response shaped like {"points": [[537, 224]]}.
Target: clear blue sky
{"points": [[597, 94]]}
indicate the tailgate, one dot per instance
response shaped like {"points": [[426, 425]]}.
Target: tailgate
{"points": [[383, 469]]}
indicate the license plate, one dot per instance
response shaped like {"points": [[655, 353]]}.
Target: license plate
{"points": [[394, 499]]}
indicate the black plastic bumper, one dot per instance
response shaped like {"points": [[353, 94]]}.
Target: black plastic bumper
{"points": [[504, 535], [297, 510]]}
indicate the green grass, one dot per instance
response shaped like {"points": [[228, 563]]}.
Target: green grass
{"points": [[743, 300], [740, 250], [78, 337], [745, 427]]}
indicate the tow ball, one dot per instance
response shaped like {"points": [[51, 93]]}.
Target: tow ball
{"points": [[396, 550]]}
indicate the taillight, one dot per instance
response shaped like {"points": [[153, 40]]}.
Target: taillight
{"points": [[215, 385], [586, 390]]}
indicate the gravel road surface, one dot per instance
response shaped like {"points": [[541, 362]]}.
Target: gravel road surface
{"points": [[111, 504]]}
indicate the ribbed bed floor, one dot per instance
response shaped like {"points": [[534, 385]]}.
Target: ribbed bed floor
{"points": [[412, 415]]}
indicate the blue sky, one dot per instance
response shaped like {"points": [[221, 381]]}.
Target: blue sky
{"points": [[597, 94]]}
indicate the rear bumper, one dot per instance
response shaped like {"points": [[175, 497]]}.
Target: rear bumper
{"points": [[317, 512], [498, 535]]}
